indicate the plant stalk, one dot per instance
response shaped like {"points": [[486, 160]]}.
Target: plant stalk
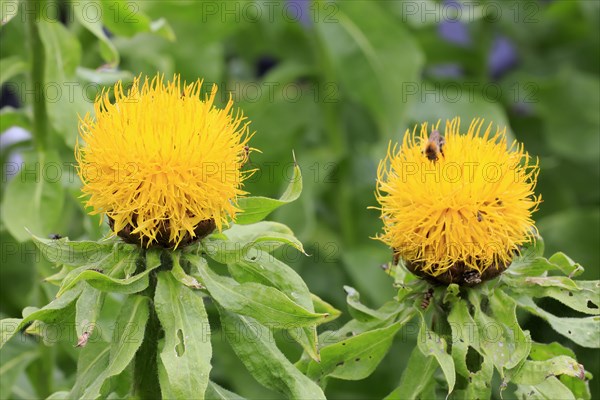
{"points": [[145, 372], [36, 78]]}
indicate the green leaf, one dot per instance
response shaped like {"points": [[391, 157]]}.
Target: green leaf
{"points": [[267, 270], [502, 339], [34, 198], [76, 253], [535, 372], [266, 304], [323, 307], [464, 334], [265, 235], [583, 331], [255, 209], [107, 48], [93, 359], [356, 357], [550, 389], [255, 346], [10, 67], [113, 264], [378, 47], [181, 276], [87, 310], [417, 379], [49, 313], [127, 338], [241, 242], [216, 392], [583, 299], [187, 351], [358, 310], [431, 344], [479, 383]]}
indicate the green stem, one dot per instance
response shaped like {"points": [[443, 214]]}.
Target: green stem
{"points": [[145, 372], [36, 81]]}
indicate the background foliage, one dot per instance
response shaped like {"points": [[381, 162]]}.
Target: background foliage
{"points": [[335, 81]]}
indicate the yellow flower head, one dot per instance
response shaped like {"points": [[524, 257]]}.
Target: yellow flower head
{"points": [[161, 162], [456, 207]]}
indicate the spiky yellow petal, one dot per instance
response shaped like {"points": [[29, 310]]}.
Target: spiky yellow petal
{"points": [[160, 159], [471, 206]]}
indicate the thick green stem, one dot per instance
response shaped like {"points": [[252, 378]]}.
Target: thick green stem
{"points": [[36, 79], [145, 371]]}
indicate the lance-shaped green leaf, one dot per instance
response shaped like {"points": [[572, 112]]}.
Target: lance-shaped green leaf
{"points": [[255, 209], [417, 379], [543, 351], [356, 357], [584, 298], [431, 344], [535, 372], [216, 392], [127, 338], [478, 383], [264, 303], [501, 337], [265, 235], [87, 310], [51, 312], [357, 309], [92, 362], [565, 264], [255, 346], [464, 334], [323, 307], [180, 275], [241, 242], [267, 270], [187, 350], [106, 282], [75, 253], [583, 331], [549, 389]]}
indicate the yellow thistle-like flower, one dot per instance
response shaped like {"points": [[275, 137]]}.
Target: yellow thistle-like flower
{"points": [[457, 207], [161, 162]]}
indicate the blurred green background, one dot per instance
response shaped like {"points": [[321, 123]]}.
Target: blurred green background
{"points": [[332, 81]]}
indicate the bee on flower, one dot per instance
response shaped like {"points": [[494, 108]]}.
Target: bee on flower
{"points": [[457, 207], [161, 162]]}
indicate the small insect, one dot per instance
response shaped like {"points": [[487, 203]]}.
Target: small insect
{"points": [[54, 236], [479, 216], [83, 339], [435, 146], [96, 269], [427, 298], [472, 277]]}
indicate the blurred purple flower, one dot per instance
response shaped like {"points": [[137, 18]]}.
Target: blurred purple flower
{"points": [[301, 9], [502, 57]]}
